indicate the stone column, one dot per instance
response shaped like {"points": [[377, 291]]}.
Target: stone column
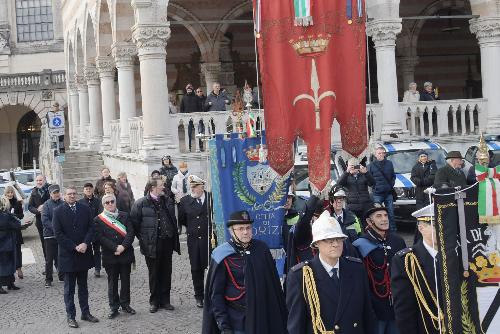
{"points": [[124, 58], [92, 77], [83, 107], [487, 31], [407, 66], [211, 71], [75, 115], [106, 68], [151, 41], [383, 33]]}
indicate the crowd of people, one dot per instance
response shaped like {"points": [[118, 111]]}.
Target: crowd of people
{"points": [[346, 269]]}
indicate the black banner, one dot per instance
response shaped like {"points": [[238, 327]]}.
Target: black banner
{"points": [[470, 291]]}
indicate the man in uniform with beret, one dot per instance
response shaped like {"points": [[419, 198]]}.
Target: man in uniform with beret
{"points": [[377, 247], [330, 293], [195, 213], [243, 293], [415, 299], [451, 175]]}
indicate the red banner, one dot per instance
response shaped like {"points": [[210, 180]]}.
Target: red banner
{"points": [[311, 75]]}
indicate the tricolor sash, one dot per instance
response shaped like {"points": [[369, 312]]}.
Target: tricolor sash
{"points": [[113, 223], [489, 199]]}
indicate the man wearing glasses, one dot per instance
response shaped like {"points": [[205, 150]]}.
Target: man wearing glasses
{"points": [[243, 292], [74, 231], [329, 293]]}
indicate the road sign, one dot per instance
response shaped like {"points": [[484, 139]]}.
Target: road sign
{"points": [[56, 123]]}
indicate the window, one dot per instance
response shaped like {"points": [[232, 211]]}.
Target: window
{"points": [[34, 20]]}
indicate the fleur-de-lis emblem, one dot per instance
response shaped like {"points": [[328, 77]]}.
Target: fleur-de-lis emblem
{"points": [[315, 99]]}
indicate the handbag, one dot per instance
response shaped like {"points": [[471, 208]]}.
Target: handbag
{"points": [[393, 192]]}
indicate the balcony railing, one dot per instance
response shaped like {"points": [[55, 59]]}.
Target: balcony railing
{"points": [[47, 79], [434, 119]]}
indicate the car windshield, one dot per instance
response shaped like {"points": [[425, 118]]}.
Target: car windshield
{"points": [[25, 178], [404, 161], [301, 176], [496, 158]]}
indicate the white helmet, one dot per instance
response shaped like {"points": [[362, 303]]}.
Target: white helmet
{"points": [[326, 227]]}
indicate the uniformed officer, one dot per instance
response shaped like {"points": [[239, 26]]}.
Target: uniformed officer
{"points": [[377, 247], [243, 294], [330, 293], [194, 212], [348, 221], [413, 285]]}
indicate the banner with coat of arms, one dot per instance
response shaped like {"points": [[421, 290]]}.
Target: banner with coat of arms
{"points": [[470, 266], [312, 61], [242, 180]]}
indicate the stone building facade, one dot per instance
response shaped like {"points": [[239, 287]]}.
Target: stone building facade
{"points": [[124, 57]]}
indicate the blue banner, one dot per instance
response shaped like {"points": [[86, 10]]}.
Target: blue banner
{"points": [[242, 180]]}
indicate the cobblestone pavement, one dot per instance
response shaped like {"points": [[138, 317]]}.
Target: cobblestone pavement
{"points": [[35, 309]]}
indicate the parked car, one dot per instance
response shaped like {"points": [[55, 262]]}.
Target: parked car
{"points": [[25, 179], [493, 142], [404, 155]]}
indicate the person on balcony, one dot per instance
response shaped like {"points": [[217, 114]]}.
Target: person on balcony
{"points": [[201, 97], [190, 103], [428, 94], [217, 99], [412, 94]]}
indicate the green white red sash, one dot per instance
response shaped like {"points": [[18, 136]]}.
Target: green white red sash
{"points": [[113, 223], [489, 195], [302, 9]]}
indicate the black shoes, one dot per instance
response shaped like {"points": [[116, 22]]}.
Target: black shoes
{"points": [[128, 309], [113, 314], [167, 307], [13, 287], [48, 284], [90, 318], [2, 291], [199, 303], [72, 323], [153, 308]]}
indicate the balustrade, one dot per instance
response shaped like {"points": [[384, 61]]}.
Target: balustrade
{"points": [[136, 128], [46, 79], [443, 118], [115, 134]]}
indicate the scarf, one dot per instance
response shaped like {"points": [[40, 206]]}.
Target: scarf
{"points": [[184, 182], [110, 220]]}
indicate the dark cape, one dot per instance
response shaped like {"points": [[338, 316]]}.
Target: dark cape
{"points": [[265, 302]]}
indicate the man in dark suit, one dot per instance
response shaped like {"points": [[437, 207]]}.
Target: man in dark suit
{"points": [[194, 212], [330, 292], [412, 315], [74, 231], [96, 208]]}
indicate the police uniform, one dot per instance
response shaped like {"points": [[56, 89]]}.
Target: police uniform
{"points": [[413, 315], [196, 215], [324, 299], [377, 254]]}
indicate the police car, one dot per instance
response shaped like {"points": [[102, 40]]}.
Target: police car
{"points": [[493, 143], [404, 155]]}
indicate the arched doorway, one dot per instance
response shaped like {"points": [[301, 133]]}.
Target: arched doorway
{"points": [[28, 139]]}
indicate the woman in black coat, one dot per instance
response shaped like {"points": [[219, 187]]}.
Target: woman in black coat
{"points": [[422, 175], [115, 233], [9, 226], [16, 208]]}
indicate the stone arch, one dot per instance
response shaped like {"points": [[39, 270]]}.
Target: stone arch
{"points": [[104, 29], [70, 60], [413, 31], [197, 30], [234, 13], [122, 20], [78, 53], [89, 49]]}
